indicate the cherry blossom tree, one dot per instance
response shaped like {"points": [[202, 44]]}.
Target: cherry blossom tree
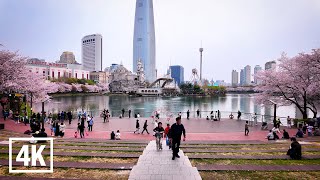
{"points": [[296, 81], [15, 77]]}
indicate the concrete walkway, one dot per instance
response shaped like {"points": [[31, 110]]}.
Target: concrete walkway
{"points": [[156, 165]]}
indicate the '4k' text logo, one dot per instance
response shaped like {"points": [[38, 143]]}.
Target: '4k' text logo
{"points": [[30, 158]]}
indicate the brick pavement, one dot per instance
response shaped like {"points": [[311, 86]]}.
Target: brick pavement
{"points": [[197, 129], [84, 165], [258, 167], [157, 164]]}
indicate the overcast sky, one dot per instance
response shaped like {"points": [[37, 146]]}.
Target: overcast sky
{"points": [[234, 33]]}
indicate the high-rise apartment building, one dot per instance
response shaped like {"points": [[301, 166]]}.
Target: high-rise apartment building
{"points": [[92, 52], [257, 68], [144, 39], [247, 75], [177, 73], [242, 77], [235, 78]]}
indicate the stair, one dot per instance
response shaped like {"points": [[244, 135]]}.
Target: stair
{"points": [[157, 164]]}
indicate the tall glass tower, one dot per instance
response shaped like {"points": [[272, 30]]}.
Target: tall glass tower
{"points": [[144, 39]]}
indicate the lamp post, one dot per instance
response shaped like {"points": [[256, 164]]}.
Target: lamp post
{"points": [[31, 104], [42, 112], [275, 110]]}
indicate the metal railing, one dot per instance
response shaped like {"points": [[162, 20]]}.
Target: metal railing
{"points": [[173, 114]]}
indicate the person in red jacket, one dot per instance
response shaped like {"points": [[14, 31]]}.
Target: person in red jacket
{"points": [[166, 132]]}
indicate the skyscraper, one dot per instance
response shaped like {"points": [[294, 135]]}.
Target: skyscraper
{"points": [[144, 39], [257, 68], [242, 77], [247, 75], [92, 52], [235, 78], [177, 73]]}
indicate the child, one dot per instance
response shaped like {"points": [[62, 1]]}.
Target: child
{"points": [[246, 129], [166, 132], [118, 135]]}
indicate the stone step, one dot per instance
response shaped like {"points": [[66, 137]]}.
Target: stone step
{"points": [[157, 164]]}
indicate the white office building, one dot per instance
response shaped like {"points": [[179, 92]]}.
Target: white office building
{"points": [[92, 52], [235, 78]]}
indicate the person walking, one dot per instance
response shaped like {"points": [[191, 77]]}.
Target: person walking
{"points": [[88, 120], [188, 114], [123, 112], [129, 113], [81, 129], [104, 115], [166, 134], [137, 127], [246, 129], [69, 116], [219, 115], [255, 121], [176, 130], [239, 115], [198, 113], [90, 124], [145, 125]]}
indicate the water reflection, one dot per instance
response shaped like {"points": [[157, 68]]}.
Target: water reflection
{"points": [[147, 105]]}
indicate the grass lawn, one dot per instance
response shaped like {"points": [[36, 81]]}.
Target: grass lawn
{"points": [[252, 153], [196, 162], [72, 173], [259, 175]]}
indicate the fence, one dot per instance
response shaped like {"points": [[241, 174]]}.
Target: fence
{"points": [[193, 114]]}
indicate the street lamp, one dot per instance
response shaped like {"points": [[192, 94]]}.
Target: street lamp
{"points": [[275, 110], [42, 113]]}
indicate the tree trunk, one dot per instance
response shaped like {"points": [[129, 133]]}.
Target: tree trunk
{"points": [[305, 114]]}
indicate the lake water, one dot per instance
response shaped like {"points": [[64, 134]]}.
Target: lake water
{"points": [[166, 105]]}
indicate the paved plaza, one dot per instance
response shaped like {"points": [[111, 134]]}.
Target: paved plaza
{"points": [[196, 128]]}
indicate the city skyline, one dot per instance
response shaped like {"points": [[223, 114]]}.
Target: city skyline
{"points": [[233, 33]]}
